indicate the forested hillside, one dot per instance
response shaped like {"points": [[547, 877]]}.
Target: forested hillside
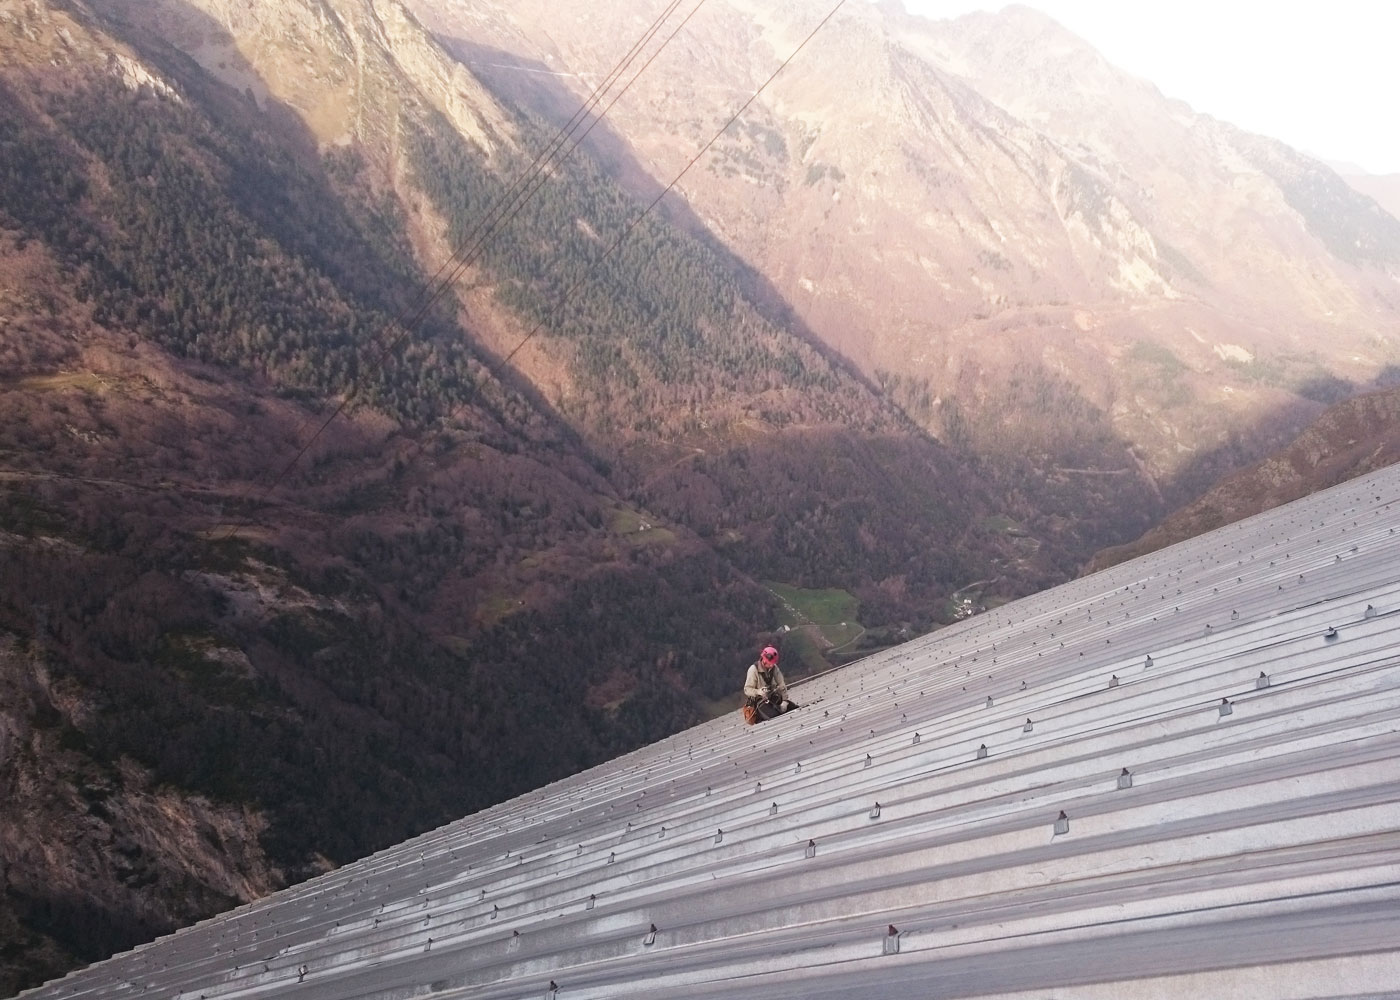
{"points": [[717, 418]]}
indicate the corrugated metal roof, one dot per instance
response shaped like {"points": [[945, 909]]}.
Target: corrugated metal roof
{"points": [[1176, 777]]}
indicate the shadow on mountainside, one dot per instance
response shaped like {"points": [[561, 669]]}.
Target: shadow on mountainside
{"points": [[356, 250], [1351, 438], [1074, 512], [532, 86], [535, 85], [1276, 434]]}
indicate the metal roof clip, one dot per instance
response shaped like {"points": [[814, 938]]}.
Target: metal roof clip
{"points": [[982, 751], [891, 945], [1226, 708], [651, 936], [811, 849], [1261, 682], [1330, 634], [1113, 681], [875, 813], [1061, 823], [1125, 780], [1028, 727]]}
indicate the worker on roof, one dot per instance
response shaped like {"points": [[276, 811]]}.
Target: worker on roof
{"points": [[765, 691]]}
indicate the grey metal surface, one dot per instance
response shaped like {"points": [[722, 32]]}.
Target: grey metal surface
{"points": [[1190, 786]]}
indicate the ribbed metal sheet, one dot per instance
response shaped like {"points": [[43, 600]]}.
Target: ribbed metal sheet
{"points": [[1179, 777]]}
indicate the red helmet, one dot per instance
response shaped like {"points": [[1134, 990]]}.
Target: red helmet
{"points": [[769, 657]]}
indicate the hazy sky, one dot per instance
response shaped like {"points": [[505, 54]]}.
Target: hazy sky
{"points": [[1323, 77]]}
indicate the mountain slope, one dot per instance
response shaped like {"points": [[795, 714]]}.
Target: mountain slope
{"points": [[976, 204], [1385, 188], [661, 354], [1350, 439]]}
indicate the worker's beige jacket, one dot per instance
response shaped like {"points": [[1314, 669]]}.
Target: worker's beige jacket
{"points": [[761, 684]]}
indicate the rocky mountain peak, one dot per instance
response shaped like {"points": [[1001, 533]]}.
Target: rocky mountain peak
{"points": [[343, 67]]}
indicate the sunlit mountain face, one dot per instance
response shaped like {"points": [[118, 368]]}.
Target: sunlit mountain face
{"points": [[991, 219]]}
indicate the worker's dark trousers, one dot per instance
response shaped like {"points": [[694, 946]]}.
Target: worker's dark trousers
{"points": [[771, 709]]}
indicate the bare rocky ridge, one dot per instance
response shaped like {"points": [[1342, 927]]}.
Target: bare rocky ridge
{"points": [[345, 70]]}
